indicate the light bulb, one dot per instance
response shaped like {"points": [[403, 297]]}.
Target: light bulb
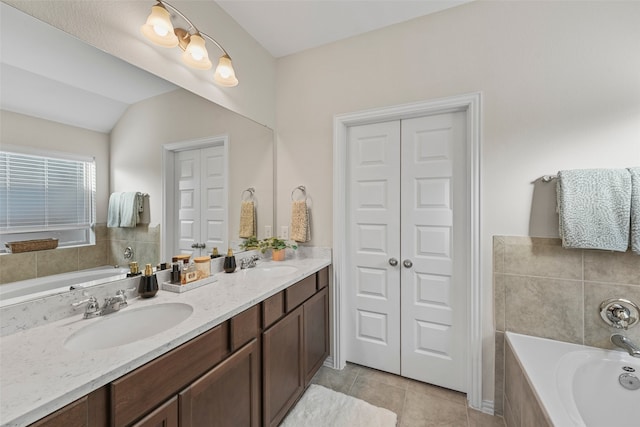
{"points": [[195, 55], [225, 75], [158, 27]]}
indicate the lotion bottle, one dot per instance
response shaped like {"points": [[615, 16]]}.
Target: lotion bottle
{"points": [[229, 262], [148, 283]]}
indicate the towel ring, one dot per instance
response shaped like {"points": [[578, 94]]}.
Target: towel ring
{"points": [[251, 192], [302, 189]]}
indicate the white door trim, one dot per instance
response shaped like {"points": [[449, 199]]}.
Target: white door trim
{"points": [[471, 103], [167, 238]]}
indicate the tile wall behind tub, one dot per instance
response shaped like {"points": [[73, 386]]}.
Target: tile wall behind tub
{"points": [[544, 290], [108, 250]]}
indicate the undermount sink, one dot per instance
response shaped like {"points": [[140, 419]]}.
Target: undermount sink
{"points": [[127, 326], [274, 270]]}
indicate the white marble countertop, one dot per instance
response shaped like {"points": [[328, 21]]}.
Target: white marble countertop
{"points": [[38, 375]]}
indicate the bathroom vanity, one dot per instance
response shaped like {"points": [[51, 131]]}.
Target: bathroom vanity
{"points": [[245, 367]]}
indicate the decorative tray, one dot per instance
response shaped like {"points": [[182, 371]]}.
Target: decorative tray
{"points": [[178, 288]]}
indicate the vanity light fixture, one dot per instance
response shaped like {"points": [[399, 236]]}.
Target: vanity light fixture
{"points": [[160, 30]]}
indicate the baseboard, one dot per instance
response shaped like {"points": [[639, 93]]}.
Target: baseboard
{"points": [[487, 407]]}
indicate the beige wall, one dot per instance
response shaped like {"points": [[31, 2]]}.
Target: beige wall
{"points": [[561, 90], [18, 129], [138, 137], [114, 26]]}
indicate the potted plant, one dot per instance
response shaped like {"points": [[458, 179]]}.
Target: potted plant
{"points": [[250, 243], [277, 247]]}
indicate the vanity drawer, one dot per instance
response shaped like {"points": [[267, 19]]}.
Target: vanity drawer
{"points": [[323, 278], [142, 390], [245, 327], [298, 293], [272, 309]]}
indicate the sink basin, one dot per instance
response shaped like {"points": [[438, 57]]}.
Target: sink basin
{"points": [[127, 326], [274, 270]]}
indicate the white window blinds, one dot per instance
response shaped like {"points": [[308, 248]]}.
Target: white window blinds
{"points": [[39, 193]]}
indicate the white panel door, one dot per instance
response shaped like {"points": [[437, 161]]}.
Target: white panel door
{"points": [[407, 201], [214, 199], [187, 167], [434, 315], [202, 200], [374, 293]]}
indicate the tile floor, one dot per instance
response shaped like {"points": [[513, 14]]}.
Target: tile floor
{"points": [[416, 404]]}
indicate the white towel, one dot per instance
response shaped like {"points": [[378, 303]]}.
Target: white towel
{"points": [[113, 213], [300, 221], [635, 209], [594, 207], [130, 207]]}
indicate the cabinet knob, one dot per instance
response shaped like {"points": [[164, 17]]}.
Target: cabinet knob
{"points": [[407, 263], [393, 262]]}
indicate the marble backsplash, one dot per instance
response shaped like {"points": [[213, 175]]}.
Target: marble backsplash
{"points": [[545, 290]]}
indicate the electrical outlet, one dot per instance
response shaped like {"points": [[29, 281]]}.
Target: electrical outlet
{"points": [[267, 232], [284, 232]]}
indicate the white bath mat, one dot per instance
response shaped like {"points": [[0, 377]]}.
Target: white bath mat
{"points": [[322, 407]]}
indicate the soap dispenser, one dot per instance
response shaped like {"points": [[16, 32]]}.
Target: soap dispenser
{"points": [[148, 283], [229, 262]]}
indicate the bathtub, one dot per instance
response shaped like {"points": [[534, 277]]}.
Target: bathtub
{"points": [[579, 385], [15, 292]]}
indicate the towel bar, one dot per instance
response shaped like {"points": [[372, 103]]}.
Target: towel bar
{"points": [[251, 192], [548, 178], [302, 189]]}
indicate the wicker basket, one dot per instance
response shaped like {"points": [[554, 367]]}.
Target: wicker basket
{"points": [[32, 245]]}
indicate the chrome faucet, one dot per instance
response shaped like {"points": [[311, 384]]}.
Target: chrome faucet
{"points": [[111, 304], [625, 343], [249, 262]]}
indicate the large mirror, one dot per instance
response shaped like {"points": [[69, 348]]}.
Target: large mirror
{"points": [[59, 94]]}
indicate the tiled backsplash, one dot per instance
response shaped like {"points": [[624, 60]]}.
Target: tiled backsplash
{"points": [[544, 290], [108, 250]]}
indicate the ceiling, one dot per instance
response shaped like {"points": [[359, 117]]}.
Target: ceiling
{"points": [[50, 84], [290, 26]]}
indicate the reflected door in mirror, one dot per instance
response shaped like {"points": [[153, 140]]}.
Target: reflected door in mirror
{"points": [[201, 195]]}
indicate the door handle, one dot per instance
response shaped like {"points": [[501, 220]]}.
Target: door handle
{"points": [[393, 262], [407, 263]]}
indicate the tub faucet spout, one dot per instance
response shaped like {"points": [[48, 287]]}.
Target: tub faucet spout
{"points": [[625, 343]]}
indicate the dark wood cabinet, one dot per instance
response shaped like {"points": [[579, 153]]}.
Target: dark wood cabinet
{"points": [[295, 347], [88, 411], [164, 416], [316, 333], [228, 395], [282, 361], [246, 372]]}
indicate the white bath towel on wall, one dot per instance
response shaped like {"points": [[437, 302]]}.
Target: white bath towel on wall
{"points": [[594, 207], [635, 209], [113, 212]]}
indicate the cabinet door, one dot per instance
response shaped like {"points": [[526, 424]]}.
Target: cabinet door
{"points": [[72, 415], [226, 396], [316, 333], [164, 416], [283, 370]]}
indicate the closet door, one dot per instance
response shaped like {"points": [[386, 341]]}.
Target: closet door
{"points": [[434, 315], [202, 200], [374, 224]]}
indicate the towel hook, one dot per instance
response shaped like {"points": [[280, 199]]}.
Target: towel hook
{"points": [[302, 189], [251, 192], [548, 178]]}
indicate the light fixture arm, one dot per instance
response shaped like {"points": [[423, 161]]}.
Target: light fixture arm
{"points": [[192, 25]]}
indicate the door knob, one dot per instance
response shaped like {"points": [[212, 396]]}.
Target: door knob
{"points": [[407, 263], [195, 245], [393, 262]]}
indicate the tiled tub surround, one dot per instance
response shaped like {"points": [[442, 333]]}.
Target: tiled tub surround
{"points": [[108, 250], [38, 375], [544, 290]]}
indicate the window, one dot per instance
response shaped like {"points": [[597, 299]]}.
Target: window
{"points": [[47, 195]]}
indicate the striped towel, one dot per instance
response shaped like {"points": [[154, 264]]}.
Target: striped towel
{"points": [[113, 212], [594, 206], [635, 209]]}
